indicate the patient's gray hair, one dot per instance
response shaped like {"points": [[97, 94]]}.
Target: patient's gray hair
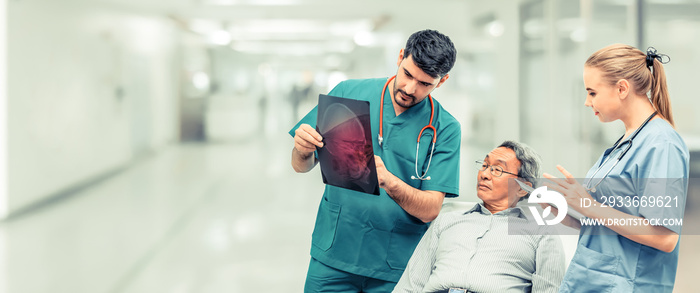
{"points": [[529, 161]]}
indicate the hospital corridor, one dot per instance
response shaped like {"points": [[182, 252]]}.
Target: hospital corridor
{"points": [[144, 144], [179, 221]]}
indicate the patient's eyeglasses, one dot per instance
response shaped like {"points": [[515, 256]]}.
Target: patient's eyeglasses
{"points": [[495, 170]]}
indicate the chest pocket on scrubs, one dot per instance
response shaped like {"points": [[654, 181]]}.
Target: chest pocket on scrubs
{"points": [[326, 225], [592, 271], [404, 239], [403, 147]]}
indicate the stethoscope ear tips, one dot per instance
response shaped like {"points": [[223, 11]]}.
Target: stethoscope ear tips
{"points": [[427, 178], [413, 177]]}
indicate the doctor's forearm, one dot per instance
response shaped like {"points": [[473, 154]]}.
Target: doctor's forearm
{"points": [[302, 163], [422, 204]]}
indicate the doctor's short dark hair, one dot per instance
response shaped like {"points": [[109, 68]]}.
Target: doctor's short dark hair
{"points": [[433, 52], [529, 162]]}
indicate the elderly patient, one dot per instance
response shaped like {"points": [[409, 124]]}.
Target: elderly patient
{"points": [[473, 251]]}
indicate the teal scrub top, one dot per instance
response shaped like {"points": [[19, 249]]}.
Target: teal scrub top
{"points": [[656, 165], [371, 235]]}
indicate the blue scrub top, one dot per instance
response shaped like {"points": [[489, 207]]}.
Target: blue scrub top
{"points": [[372, 235], [656, 165]]}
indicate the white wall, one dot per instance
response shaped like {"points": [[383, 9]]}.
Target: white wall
{"points": [[88, 90], [3, 113], [3, 145]]}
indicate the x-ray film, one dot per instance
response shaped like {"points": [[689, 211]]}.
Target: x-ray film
{"points": [[346, 158]]}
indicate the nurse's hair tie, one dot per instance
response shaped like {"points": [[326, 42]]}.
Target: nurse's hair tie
{"points": [[651, 55]]}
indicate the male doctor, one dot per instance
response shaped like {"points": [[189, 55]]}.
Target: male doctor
{"points": [[362, 242]]}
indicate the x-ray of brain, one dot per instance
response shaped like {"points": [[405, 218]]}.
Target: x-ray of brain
{"points": [[347, 158]]}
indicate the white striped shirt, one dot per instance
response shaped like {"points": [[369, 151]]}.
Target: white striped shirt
{"points": [[473, 250]]}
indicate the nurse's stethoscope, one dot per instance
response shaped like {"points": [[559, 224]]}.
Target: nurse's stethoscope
{"points": [[429, 126], [615, 146]]}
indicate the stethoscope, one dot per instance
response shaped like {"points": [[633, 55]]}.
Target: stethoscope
{"points": [[615, 146], [429, 126]]}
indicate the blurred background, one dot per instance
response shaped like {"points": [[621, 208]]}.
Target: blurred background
{"points": [[145, 141]]}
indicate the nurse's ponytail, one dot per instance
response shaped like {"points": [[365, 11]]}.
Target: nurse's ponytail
{"points": [[659, 91], [644, 71]]}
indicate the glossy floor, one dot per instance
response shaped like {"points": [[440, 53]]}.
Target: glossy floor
{"points": [[192, 218]]}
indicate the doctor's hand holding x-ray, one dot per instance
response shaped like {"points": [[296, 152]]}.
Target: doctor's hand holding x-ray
{"points": [[423, 204], [306, 139]]}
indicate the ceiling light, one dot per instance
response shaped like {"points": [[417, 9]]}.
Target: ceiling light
{"points": [[495, 28], [220, 37], [364, 39]]}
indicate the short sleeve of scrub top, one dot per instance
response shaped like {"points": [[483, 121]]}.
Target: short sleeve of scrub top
{"points": [[663, 178]]}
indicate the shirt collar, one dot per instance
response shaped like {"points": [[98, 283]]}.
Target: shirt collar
{"points": [[516, 211]]}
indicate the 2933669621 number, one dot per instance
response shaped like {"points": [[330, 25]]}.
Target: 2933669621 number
{"points": [[639, 201]]}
